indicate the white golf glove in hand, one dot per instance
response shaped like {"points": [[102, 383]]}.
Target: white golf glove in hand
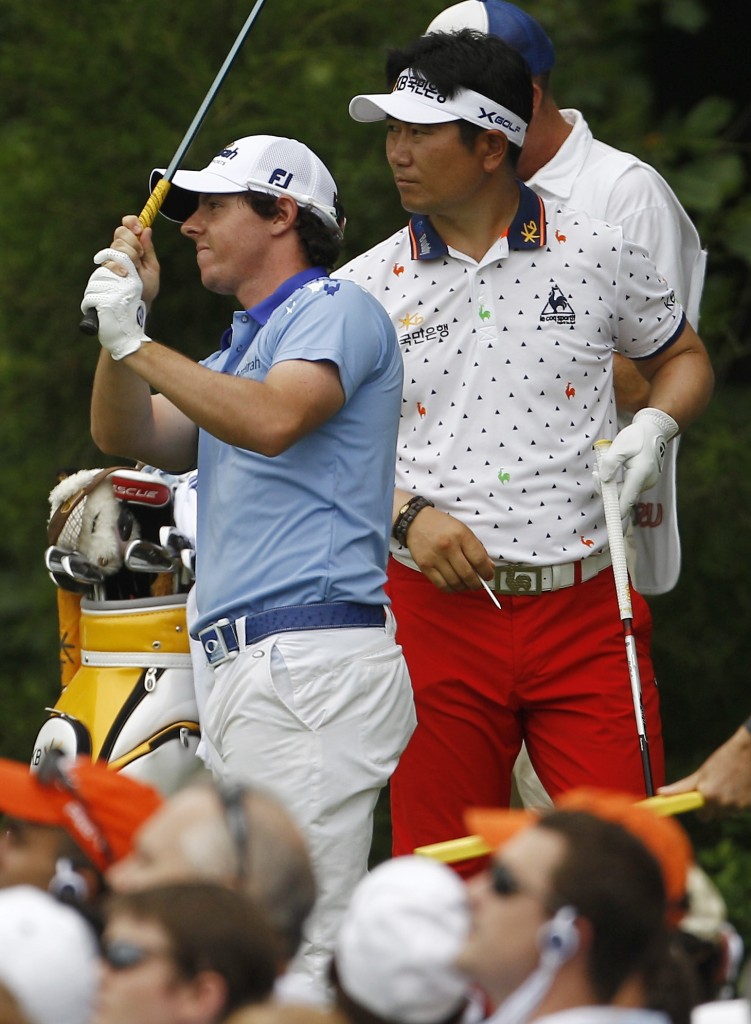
{"points": [[118, 302], [640, 449]]}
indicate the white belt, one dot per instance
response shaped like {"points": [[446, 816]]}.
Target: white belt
{"points": [[523, 580]]}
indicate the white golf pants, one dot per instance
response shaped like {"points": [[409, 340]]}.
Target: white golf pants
{"points": [[320, 719]]}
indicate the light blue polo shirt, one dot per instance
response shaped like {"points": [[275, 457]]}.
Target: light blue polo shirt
{"points": [[311, 524]]}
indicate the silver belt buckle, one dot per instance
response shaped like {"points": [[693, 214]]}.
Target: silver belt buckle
{"points": [[219, 642], [518, 580]]}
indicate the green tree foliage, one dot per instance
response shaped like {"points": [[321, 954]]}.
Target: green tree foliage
{"points": [[94, 95]]}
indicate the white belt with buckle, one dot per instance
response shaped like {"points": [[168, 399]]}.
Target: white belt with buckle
{"points": [[524, 580]]}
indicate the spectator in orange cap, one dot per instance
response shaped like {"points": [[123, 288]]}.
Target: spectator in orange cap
{"points": [[574, 914], [665, 839], [67, 822], [663, 836]]}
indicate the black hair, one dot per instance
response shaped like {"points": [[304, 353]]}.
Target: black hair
{"points": [[467, 59], [319, 242]]}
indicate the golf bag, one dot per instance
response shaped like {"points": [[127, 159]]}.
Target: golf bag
{"points": [[123, 573]]}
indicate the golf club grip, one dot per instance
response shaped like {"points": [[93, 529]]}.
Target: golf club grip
{"points": [[90, 323], [615, 536]]}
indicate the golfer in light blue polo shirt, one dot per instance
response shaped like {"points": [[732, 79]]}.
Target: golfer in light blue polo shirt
{"points": [[292, 424], [319, 513]]}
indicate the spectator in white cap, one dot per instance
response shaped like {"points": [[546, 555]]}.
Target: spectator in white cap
{"points": [[292, 426], [396, 952], [48, 957]]}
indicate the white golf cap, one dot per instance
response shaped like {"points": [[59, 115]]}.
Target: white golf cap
{"points": [[400, 938], [257, 163], [414, 100], [48, 957]]}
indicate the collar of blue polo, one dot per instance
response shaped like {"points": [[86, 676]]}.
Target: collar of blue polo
{"points": [[263, 310], [526, 231]]}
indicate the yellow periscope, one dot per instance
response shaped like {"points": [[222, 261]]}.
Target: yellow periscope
{"points": [[451, 851]]}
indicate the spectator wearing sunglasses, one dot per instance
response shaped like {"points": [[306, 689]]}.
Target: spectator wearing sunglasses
{"points": [[577, 912], [235, 836], [193, 952]]}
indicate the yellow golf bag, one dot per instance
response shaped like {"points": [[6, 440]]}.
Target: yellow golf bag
{"points": [[123, 573]]}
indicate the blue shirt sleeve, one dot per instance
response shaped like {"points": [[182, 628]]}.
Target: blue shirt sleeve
{"points": [[336, 321]]}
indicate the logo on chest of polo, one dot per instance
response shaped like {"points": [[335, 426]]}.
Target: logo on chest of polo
{"points": [[558, 308], [433, 332], [250, 367]]}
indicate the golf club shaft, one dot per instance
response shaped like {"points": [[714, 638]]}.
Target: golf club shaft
{"points": [[90, 322], [623, 592]]}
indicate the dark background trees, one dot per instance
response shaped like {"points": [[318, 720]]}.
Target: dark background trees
{"points": [[94, 95]]}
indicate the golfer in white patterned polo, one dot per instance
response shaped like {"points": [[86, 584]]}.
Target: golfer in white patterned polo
{"points": [[508, 312]]}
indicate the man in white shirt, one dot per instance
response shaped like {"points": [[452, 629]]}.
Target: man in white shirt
{"points": [[562, 161], [508, 311]]}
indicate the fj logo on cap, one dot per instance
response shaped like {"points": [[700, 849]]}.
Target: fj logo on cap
{"points": [[281, 178]]}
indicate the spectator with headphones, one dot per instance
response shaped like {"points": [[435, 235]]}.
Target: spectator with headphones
{"points": [[576, 912], [67, 822]]}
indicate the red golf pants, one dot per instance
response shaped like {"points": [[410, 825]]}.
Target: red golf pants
{"points": [[549, 669]]}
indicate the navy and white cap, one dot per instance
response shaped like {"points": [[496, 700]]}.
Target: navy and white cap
{"points": [[507, 21], [258, 163]]}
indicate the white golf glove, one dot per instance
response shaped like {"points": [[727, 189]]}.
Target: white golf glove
{"points": [[640, 449], [118, 302]]}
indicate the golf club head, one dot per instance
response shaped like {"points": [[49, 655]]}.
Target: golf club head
{"points": [[81, 569], [53, 559], [145, 556], [181, 550], [65, 582], [173, 540]]}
